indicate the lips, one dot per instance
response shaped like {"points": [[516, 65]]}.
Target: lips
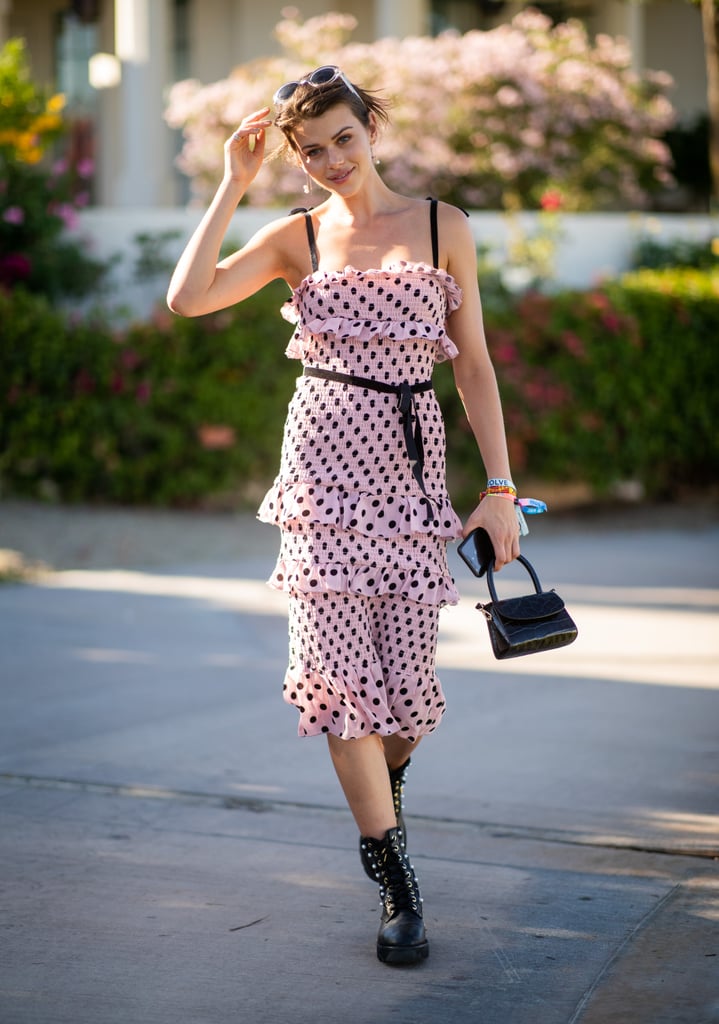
{"points": [[338, 179]]}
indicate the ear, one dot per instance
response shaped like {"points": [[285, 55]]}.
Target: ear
{"points": [[372, 128]]}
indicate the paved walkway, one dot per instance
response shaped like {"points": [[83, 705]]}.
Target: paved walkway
{"points": [[172, 853]]}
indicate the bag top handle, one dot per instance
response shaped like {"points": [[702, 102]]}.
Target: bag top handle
{"points": [[527, 565]]}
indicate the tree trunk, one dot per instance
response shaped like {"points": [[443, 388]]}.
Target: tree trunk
{"points": [[710, 29]]}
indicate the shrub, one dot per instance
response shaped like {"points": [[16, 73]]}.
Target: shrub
{"points": [[654, 254], [38, 202], [617, 383], [168, 413], [521, 115]]}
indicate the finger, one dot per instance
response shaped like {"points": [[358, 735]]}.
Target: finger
{"points": [[260, 114], [506, 552], [255, 121], [251, 135], [252, 127]]}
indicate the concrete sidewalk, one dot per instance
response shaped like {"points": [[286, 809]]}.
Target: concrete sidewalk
{"points": [[171, 852]]}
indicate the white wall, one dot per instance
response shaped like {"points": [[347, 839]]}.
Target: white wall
{"points": [[593, 245]]}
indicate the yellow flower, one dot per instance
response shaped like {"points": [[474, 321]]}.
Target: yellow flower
{"points": [[715, 246], [46, 123], [26, 139], [32, 156], [56, 103]]}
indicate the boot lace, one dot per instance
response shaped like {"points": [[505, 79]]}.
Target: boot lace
{"points": [[398, 886]]}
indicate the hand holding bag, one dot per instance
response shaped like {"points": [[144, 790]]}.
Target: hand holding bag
{"points": [[524, 625]]}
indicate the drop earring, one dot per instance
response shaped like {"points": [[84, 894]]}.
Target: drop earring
{"points": [[307, 187], [375, 159]]}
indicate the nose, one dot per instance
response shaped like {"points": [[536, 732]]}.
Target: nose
{"points": [[334, 156]]}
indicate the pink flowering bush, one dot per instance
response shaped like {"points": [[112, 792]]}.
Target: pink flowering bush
{"points": [[525, 116], [39, 198]]}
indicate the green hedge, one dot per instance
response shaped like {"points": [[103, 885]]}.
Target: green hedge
{"points": [[146, 415], [616, 383]]}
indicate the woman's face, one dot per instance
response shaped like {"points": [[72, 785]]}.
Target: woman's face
{"points": [[335, 150]]}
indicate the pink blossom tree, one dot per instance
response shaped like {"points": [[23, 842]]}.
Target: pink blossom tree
{"points": [[498, 119]]}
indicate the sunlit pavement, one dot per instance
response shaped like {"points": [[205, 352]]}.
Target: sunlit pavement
{"points": [[171, 852]]}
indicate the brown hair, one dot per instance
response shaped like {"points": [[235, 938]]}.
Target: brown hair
{"points": [[310, 101]]}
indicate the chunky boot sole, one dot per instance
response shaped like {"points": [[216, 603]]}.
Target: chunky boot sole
{"points": [[402, 956]]}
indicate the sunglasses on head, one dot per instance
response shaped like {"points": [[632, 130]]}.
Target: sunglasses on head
{"points": [[325, 75]]}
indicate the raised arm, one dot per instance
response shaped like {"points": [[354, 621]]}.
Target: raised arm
{"points": [[201, 284], [477, 386]]}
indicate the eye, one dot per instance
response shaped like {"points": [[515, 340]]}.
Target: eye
{"points": [[313, 153], [343, 139]]}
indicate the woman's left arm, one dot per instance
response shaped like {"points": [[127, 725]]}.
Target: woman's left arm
{"points": [[477, 386]]}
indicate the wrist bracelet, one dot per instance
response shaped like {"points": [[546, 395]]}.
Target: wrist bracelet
{"points": [[497, 494], [498, 481]]}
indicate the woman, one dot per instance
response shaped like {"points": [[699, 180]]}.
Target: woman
{"points": [[383, 286]]}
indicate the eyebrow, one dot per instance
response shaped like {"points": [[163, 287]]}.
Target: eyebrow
{"points": [[313, 145]]}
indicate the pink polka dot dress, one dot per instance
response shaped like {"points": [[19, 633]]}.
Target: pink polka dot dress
{"points": [[364, 534]]}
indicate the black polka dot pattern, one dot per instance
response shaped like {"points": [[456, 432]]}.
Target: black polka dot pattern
{"points": [[363, 665], [363, 556]]}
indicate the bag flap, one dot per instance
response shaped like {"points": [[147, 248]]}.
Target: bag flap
{"points": [[529, 607]]}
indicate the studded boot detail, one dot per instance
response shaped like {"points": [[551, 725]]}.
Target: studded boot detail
{"points": [[397, 778], [401, 938]]}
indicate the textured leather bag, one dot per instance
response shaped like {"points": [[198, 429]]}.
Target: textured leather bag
{"points": [[524, 625]]}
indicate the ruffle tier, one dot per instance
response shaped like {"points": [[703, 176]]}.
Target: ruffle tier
{"points": [[352, 719], [374, 515], [452, 291], [303, 342], [413, 327], [419, 584]]}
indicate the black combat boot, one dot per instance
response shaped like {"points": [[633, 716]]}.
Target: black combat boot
{"points": [[397, 778], [401, 938]]}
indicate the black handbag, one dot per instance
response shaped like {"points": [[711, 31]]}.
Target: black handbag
{"points": [[524, 625]]}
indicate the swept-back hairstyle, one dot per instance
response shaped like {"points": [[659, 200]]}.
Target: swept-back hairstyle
{"points": [[310, 101]]}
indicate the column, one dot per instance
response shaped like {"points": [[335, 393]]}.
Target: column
{"points": [[622, 18], [4, 18], [139, 155], [398, 18]]}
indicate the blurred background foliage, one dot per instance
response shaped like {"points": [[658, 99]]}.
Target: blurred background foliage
{"points": [[617, 383]]}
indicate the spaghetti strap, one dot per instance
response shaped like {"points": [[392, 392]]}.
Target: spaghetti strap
{"points": [[435, 232], [312, 242], [433, 228]]}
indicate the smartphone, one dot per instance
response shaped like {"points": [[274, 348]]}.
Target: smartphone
{"points": [[476, 551]]}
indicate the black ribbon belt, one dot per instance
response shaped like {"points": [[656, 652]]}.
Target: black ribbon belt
{"points": [[407, 407]]}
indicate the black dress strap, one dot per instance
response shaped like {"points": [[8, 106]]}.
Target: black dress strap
{"points": [[309, 227], [435, 232], [312, 241], [433, 228]]}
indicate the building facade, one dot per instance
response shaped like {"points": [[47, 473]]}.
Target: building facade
{"points": [[114, 60]]}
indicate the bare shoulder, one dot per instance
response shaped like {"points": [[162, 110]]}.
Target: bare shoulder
{"points": [[282, 244], [454, 225], [458, 246]]}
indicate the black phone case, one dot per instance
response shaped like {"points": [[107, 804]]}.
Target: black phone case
{"points": [[476, 551]]}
